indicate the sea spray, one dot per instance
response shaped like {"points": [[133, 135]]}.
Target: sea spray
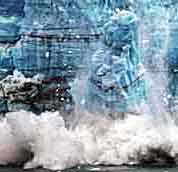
{"points": [[53, 146], [95, 140], [11, 151]]}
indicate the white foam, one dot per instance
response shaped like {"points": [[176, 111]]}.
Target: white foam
{"points": [[54, 147], [95, 140], [10, 150]]}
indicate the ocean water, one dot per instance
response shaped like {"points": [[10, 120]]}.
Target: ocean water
{"points": [[99, 168]]}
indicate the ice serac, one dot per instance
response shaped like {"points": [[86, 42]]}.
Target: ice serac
{"points": [[172, 58], [154, 30], [100, 11], [11, 14], [116, 81]]}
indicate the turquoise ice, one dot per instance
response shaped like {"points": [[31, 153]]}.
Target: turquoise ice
{"points": [[11, 14], [116, 81], [172, 57]]}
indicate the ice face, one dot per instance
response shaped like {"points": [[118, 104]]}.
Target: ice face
{"points": [[172, 57], [11, 13], [116, 36], [12, 8], [118, 67], [115, 83], [56, 16], [154, 28], [71, 16], [51, 53], [100, 11]]}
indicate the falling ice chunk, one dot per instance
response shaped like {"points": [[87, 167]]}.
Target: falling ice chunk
{"points": [[114, 81]]}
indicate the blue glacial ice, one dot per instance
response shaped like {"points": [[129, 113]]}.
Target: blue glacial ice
{"points": [[172, 58], [11, 14], [116, 81], [62, 36], [61, 39], [55, 39], [52, 17]]}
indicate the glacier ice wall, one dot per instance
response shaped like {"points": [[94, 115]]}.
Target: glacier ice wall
{"points": [[51, 59]]}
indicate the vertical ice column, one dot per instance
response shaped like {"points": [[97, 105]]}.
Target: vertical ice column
{"points": [[172, 58], [11, 14], [154, 16], [116, 82], [154, 37]]}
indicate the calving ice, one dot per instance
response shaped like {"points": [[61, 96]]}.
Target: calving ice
{"points": [[70, 70], [116, 82]]}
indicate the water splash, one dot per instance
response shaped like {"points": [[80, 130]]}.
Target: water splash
{"points": [[95, 140]]}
